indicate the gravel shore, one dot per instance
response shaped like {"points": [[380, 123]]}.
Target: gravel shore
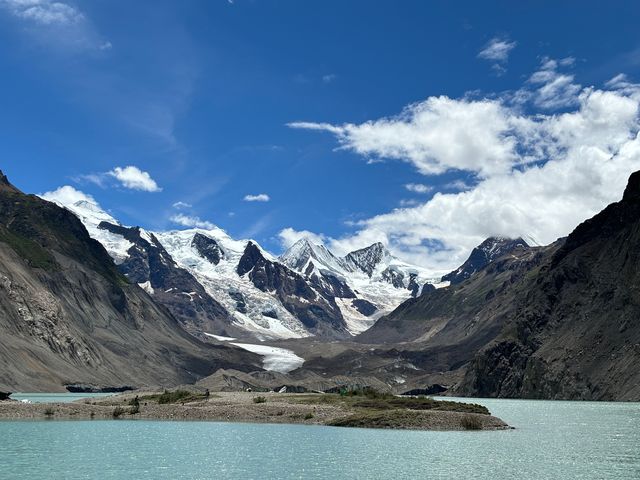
{"points": [[241, 407]]}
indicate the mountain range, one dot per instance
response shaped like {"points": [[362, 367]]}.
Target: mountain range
{"points": [[217, 285], [86, 300]]}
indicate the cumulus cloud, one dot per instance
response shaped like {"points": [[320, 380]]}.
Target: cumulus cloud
{"points": [[535, 174], [67, 195], [261, 197], [436, 135], [135, 179], [191, 221], [418, 188], [497, 51]]}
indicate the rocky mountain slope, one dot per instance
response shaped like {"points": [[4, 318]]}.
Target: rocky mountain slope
{"points": [[481, 256], [217, 285], [67, 315], [574, 330], [554, 322]]}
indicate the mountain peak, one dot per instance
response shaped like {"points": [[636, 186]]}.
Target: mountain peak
{"points": [[366, 259], [304, 251], [632, 191], [482, 255], [5, 184]]}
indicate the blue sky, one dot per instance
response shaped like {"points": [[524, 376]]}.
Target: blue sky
{"points": [[207, 99]]}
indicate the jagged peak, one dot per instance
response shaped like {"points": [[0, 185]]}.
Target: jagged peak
{"points": [[485, 253], [5, 184], [368, 258], [632, 190]]}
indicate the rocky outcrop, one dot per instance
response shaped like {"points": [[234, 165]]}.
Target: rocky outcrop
{"points": [[481, 256], [319, 314], [150, 265], [207, 248], [366, 259]]}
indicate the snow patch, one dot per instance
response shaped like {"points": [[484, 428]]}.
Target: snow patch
{"points": [[146, 286]]}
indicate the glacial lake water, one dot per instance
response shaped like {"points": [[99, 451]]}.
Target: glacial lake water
{"points": [[552, 440]]}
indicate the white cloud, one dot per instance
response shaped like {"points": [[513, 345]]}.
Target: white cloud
{"points": [[191, 221], [553, 89], [56, 25], [536, 175], [67, 195], [289, 236], [497, 50], [328, 78], [181, 205], [135, 179], [261, 197], [418, 188], [436, 135], [44, 12]]}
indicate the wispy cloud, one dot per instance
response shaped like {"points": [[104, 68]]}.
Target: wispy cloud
{"points": [[44, 12], [554, 89], [57, 24], [180, 205], [497, 52], [328, 78], [261, 197], [418, 188]]}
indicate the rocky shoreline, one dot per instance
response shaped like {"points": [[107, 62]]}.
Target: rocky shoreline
{"points": [[310, 409]]}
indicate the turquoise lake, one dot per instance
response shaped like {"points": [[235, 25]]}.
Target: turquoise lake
{"points": [[552, 440]]}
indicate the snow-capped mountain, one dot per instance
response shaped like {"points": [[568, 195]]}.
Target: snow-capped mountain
{"points": [[215, 284], [367, 283], [481, 256]]}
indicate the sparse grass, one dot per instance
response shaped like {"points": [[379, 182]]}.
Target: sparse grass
{"points": [[373, 419], [259, 399], [134, 409], [176, 396], [373, 400], [49, 412], [308, 416], [29, 250], [471, 422]]}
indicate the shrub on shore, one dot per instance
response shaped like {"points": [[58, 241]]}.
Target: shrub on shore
{"points": [[259, 399], [49, 411], [118, 412]]}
